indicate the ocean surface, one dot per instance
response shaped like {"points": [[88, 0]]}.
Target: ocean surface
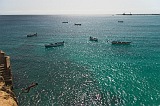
{"points": [[82, 72]]}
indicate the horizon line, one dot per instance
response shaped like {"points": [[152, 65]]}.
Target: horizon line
{"points": [[86, 14], [81, 13]]}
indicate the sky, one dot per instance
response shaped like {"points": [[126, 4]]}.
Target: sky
{"points": [[79, 6]]}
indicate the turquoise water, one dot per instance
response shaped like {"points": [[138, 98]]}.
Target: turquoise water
{"points": [[84, 73]]}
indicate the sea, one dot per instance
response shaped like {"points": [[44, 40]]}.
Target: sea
{"points": [[83, 72]]}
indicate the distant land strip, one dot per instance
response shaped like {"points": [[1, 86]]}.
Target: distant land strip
{"points": [[137, 14]]}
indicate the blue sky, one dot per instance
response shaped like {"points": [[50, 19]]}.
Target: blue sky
{"points": [[78, 6]]}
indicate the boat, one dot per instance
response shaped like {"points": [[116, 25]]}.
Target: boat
{"points": [[93, 39], [120, 21], [55, 44], [31, 35], [127, 13], [64, 22], [120, 42], [78, 24]]}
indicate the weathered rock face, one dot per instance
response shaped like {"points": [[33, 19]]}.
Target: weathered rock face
{"points": [[9, 102], [7, 97]]}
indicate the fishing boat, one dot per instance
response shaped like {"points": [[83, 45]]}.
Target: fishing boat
{"points": [[54, 44], [93, 39], [78, 24], [65, 22], [31, 35], [120, 42], [120, 21]]}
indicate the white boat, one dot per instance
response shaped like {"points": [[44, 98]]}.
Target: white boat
{"points": [[93, 39], [31, 35], [127, 13], [55, 44]]}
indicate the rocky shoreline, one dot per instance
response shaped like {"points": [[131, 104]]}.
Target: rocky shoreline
{"points": [[7, 96]]}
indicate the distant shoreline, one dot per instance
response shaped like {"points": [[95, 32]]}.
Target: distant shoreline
{"points": [[137, 14]]}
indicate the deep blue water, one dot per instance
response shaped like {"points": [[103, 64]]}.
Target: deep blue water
{"points": [[84, 73]]}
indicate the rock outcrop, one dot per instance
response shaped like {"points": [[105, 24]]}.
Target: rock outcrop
{"points": [[7, 96]]}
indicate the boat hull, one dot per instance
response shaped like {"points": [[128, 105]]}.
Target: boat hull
{"points": [[54, 45], [78, 24], [93, 39], [31, 35], [120, 43]]}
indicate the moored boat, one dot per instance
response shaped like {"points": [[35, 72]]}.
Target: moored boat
{"points": [[78, 24], [31, 35], [93, 39], [120, 42], [54, 44], [120, 21], [65, 22]]}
